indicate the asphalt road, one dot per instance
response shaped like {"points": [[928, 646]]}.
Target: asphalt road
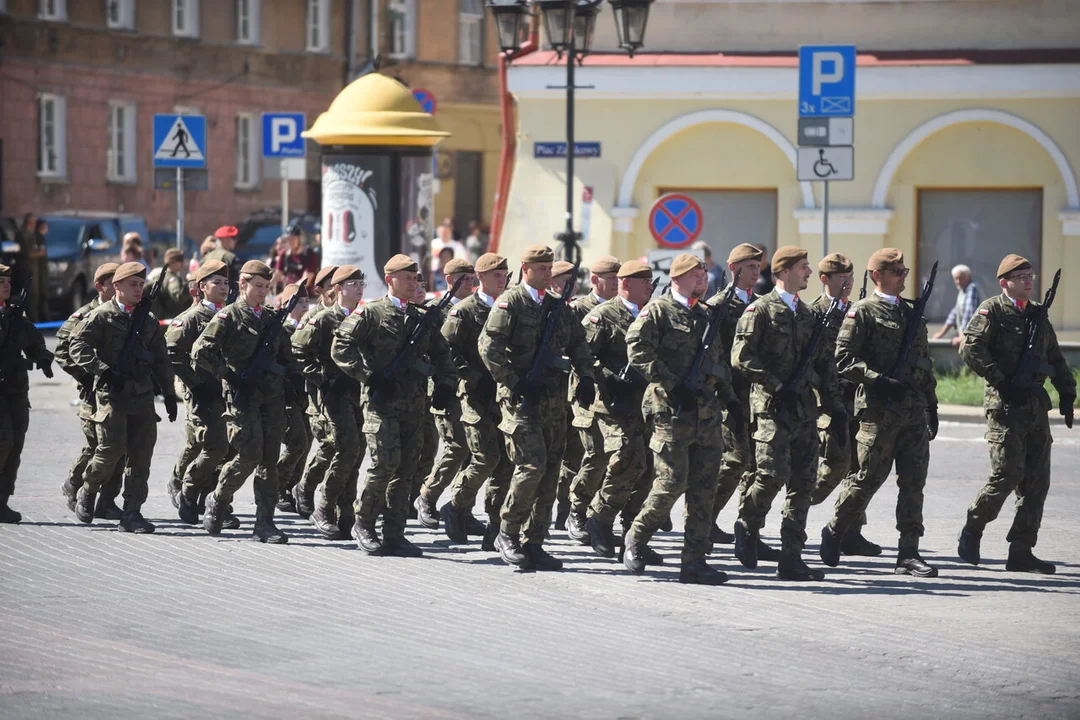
{"points": [[99, 624]]}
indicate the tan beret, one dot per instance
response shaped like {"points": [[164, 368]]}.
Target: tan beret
{"points": [[347, 272], [685, 263], [1012, 263], [257, 268], [883, 258], [105, 272], [561, 267], [538, 254], [835, 263], [290, 290], [604, 265], [173, 254], [325, 274], [787, 257], [129, 269], [457, 266], [635, 269], [491, 261], [744, 252], [5, 271], [213, 267], [400, 263]]}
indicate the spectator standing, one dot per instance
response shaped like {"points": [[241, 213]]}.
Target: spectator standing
{"points": [[968, 298], [133, 239], [444, 238], [34, 263], [40, 288], [445, 256], [294, 262], [475, 242]]}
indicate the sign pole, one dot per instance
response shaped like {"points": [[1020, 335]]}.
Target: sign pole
{"points": [[825, 224], [180, 209], [284, 194]]}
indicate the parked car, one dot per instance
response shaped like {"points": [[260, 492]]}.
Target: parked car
{"points": [[76, 245], [259, 230]]}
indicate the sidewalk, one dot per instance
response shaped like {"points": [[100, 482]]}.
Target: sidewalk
{"points": [[973, 414]]}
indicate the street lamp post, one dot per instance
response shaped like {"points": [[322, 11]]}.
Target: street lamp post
{"points": [[569, 25]]}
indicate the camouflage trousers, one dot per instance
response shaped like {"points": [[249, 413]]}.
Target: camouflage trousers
{"points": [[111, 489], [571, 461], [535, 440], [785, 456], [737, 466], [627, 477], [317, 466], [1020, 463], [126, 434], [206, 445], [488, 462], [14, 421], [883, 438], [454, 457], [255, 430], [344, 420], [428, 450], [839, 462], [297, 442], [686, 451], [594, 461], [392, 439]]}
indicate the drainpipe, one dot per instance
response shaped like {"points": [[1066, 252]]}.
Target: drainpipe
{"points": [[351, 24], [509, 133]]}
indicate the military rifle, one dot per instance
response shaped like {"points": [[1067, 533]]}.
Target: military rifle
{"points": [[11, 323], [1031, 363], [701, 366], [544, 359], [789, 395], [132, 352], [906, 361], [628, 374], [262, 361], [865, 276]]}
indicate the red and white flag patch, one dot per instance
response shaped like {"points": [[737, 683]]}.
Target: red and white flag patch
{"points": [[851, 314], [504, 305], [223, 315], [593, 319], [984, 311]]}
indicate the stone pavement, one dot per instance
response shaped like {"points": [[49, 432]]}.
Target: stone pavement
{"points": [[99, 624]]}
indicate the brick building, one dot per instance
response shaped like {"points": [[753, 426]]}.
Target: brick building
{"points": [[80, 82]]}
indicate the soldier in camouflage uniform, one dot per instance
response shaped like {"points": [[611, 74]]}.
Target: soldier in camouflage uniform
{"points": [[1018, 429], [173, 298], [770, 341], [364, 347], [617, 408], [429, 445], [897, 420], [337, 399], [105, 508], [455, 451], [684, 415], [585, 458], [839, 453], [206, 442], [125, 417], [254, 406], [480, 415], [226, 238], [22, 347], [533, 410]]}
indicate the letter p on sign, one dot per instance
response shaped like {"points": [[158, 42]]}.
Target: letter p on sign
{"points": [[819, 76], [282, 132], [281, 135]]}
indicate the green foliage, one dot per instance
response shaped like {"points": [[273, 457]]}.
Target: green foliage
{"points": [[964, 387]]}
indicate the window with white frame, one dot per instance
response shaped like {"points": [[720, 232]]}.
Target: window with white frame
{"points": [[318, 25], [247, 151], [402, 28], [471, 32], [52, 9], [52, 126], [121, 154], [185, 18], [248, 18], [120, 14]]}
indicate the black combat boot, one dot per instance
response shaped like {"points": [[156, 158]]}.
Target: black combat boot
{"points": [[790, 566], [602, 536], [699, 572], [367, 538], [132, 521], [1021, 559], [474, 526], [202, 502], [70, 493], [325, 521], [634, 555], [346, 518], [968, 547], [561, 513], [509, 546], [172, 489], [766, 553], [228, 520], [84, 505], [106, 509], [855, 544], [492, 532], [539, 559], [719, 537], [188, 510], [746, 545], [286, 502], [400, 546], [214, 515], [426, 512], [829, 550], [305, 502], [909, 562], [7, 515], [453, 524], [265, 531], [651, 556], [575, 527]]}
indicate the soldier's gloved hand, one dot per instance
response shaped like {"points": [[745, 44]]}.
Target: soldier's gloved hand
{"points": [[932, 420], [46, 368], [838, 426], [586, 392], [683, 398], [887, 387], [1066, 409], [171, 406], [441, 396], [735, 414]]}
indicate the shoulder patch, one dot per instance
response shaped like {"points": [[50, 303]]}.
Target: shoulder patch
{"points": [[177, 323], [644, 313], [750, 307], [851, 313], [454, 312], [504, 305], [223, 315], [594, 319], [300, 325], [984, 311], [77, 316]]}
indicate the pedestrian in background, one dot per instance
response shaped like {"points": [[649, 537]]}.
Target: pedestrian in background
{"points": [[35, 264], [134, 240], [293, 262], [968, 298]]}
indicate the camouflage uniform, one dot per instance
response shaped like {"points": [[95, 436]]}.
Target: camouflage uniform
{"points": [[1019, 440], [297, 437], [535, 435], [687, 445], [769, 342], [585, 457], [173, 298], [365, 344], [231, 261]]}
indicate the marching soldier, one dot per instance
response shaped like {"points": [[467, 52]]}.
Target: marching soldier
{"points": [[105, 508], [125, 417], [585, 459], [486, 459], [22, 347], [839, 453], [770, 340], [897, 421], [226, 239], [455, 453], [336, 398], [429, 444], [1018, 429], [533, 410], [254, 406], [617, 409], [686, 441], [173, 298], [395, 406]]}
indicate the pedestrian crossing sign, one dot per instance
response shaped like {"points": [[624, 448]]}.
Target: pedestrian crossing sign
{"points": [[180, 141]]}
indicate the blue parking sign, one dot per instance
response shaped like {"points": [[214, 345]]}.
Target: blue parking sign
{"points": [[281, 135], [826, 80]]}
